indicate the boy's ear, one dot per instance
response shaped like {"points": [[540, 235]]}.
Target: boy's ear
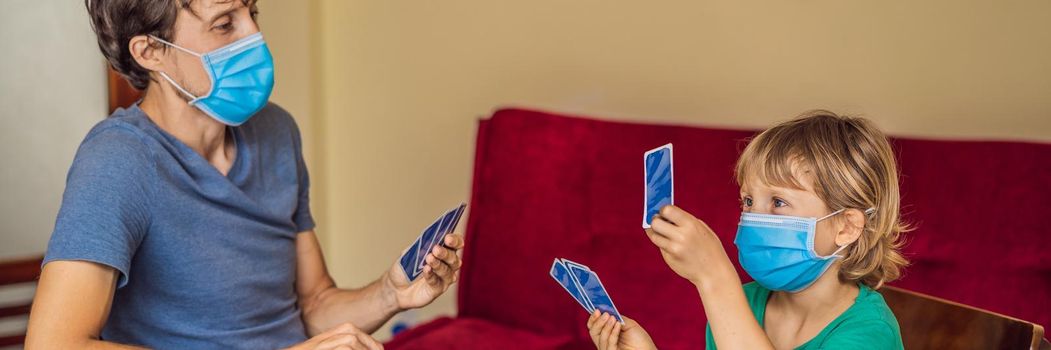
{"points": [[853, 226], [146, 52]]}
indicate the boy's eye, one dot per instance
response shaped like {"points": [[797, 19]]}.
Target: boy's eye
{"points": [[747, 201], [779, 203]]}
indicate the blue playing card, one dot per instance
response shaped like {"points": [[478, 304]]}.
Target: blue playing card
{"points": [[659, 187], [561, 274], [456, 221], [428, 237], [446, 224], [414, 258], [593, 290], [408, 260]]}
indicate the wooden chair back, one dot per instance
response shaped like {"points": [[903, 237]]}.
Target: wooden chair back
{"points": [[16, 272], [933, 323]]}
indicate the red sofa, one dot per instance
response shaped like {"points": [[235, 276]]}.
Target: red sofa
{"points": [[548, 186]]}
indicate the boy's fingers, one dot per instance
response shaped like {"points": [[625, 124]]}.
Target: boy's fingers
{"points": [[614, 338], [675, 214], [664, 228]]}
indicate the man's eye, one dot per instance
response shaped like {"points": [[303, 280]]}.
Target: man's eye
{"points": [[779, 203], [225, 27]]}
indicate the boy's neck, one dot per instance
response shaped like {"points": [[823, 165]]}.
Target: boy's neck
{"points": [[827, 294]]}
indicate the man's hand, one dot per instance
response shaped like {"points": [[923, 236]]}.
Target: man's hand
{"points": [[442, 269], [344, 336]]}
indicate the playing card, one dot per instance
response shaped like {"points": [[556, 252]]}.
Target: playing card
{"points": [[428, 236], [408, 260], [414, 258], [459, 214], [446, 224], [659, 187], [561, 274], [596, 294]]}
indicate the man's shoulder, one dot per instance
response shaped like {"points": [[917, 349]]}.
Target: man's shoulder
{"points": [[116, 139], [272, 117]]}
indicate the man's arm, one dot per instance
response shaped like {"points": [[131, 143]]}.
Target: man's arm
{"points": [[367, 308], [71, 305], [325, 306]]}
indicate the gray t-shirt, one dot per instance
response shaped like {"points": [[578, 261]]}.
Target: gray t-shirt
{"points": [[206, 261]]}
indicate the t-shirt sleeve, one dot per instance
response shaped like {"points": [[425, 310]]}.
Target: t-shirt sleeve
{"points": [[302, 218], [863, 334], [105, 207]]}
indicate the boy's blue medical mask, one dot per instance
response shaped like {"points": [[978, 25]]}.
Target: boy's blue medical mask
{"points": [[242, 76], [778, 250]]}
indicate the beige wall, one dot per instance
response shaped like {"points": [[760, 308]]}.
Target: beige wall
{"points": [[52, 91], [397, 85]]}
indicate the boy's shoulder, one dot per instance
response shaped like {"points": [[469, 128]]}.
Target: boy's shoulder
{"points": [[873, 307], [869, 322]]}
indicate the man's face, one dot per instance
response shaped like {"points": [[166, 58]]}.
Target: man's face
{"points": [[204, 26]]}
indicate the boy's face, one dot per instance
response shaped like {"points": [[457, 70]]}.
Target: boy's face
{"points": [[762, 198], [205, 26]]}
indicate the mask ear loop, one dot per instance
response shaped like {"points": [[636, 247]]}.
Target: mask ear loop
{"points": [[831, 214], [168, 78]]}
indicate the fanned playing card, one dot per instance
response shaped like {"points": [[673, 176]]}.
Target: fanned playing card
{"points": [[414, 258], [584, 286]]}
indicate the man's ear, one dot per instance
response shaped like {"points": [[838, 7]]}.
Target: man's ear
{"points": [[853, 226], [146, 52]]}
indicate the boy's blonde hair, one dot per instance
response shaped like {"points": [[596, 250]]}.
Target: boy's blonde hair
{"points": [[853, 167]]}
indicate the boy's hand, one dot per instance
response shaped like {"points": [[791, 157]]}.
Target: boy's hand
{"points": [[608, 334], [689, 247]]}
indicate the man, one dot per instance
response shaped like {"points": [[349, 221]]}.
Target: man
{"points": [[187, 225]]}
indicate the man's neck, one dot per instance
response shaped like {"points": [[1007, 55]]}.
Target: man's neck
{"points": [[188, 124]]}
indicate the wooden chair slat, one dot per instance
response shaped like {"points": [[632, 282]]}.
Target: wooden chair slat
{"points": [[929, 322]]}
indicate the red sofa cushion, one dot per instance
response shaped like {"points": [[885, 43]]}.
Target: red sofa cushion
{"points": [[550, 186], [472, 333]]}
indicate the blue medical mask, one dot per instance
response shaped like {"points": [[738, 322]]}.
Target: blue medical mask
{"points": [[778, 250], [242, 75]]}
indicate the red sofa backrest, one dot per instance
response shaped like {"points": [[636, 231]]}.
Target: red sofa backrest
{"points": [[549, 186]]}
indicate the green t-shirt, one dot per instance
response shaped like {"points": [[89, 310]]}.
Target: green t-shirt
{"points": [[868, 324]]}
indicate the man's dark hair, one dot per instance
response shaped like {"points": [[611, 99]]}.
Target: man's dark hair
{"points": [[115, 22]]}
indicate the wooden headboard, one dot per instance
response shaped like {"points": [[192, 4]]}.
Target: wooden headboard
{"points": [[121, 93]]}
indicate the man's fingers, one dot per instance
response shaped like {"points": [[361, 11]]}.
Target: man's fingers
{"points": [[447, 256], [453, 241], [436, 265]]}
